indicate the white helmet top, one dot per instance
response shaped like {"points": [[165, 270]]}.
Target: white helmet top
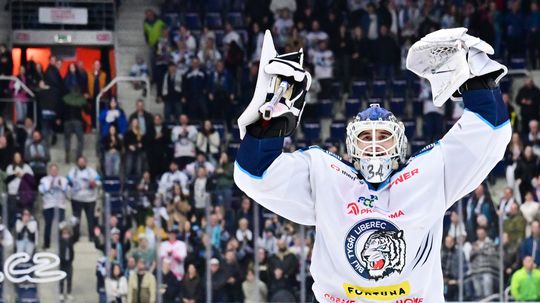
{"points": [[376, 143]]}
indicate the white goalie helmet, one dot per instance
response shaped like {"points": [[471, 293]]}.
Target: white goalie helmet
{"points": [[376, 143]]}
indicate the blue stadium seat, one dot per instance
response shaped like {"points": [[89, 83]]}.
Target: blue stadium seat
{"points": [[235, 131], [410, 128], [112, 185], [213, 20], [338, 130], [325, 108], [27, 292], [417, 145], [219, 37], [232, 149], [236, 19], [518, 63], [219, 126], [171, 19], [397, 106], [193, 21], [359, 90], [399, 88], [378, 89], [117, 203], [352, 107], [312, 131], [214, 5]]}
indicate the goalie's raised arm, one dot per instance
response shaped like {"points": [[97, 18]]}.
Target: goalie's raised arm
{"points": [[278, 181], [457, 64]]}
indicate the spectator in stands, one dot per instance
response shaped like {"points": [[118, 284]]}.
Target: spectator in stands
{"points": [[97, 79], [53, 189], [314, 36], [234, 276], [254, 289], [158, 140], [450, 267], [135, 147], [19, 95], [526, 169], [150, 231], [26, 233], [113, 114], [219, 280], [171, 177], [533, 35], [24, 133], [170, 288], [192, 168], [279, 288], [195, 89], [146, 119], [282, 27], [84, 183], [506, 202], [184, 137], [515, 24], [231, 35], [433, 115], [480, 204], [121, 247], [285, 260], [160, 57], [514, 225], [66, 253], [514, 151], [181, 56], [323, 60], [200, 192], [6, 131], [37, 155], [243, 234], [192, 286], [531, 245], [153, 27], [6, 154], [530, 210], [224, 182], [234, 60], [6, 69], [457, 227], [510, 256], [74, 81], [484, 260], [528, 99], [171, 93], [360, 57], [72, 118], [387, 55], [525, 285], [533, 137], [255, 40], [221, 93], [112, 146], [142, 286], [139, 69], [184, 35], [52, 90], [341, 45], [175, 251], [20, 180], [208, 141], [116, 285], [209, 54]]}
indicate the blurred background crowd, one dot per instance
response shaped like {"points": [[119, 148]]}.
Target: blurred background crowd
{"points": [[160, 202]]}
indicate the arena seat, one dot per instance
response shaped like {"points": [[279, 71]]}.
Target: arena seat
{"points": [[213, 20], [359, 90]]}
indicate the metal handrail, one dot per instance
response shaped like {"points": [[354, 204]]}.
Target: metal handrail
{"points": [[25, 88], [117, 79]]}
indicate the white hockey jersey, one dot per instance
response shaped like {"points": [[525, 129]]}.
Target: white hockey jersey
{"points": [[376, 245]]}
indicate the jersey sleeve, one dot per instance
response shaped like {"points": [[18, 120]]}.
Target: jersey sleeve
{"points": [[278, 181], [475, 144]]}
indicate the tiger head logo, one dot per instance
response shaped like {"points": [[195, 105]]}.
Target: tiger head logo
{"points": [[384, 253]]}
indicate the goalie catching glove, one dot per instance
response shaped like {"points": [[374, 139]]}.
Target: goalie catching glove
{"points": [[450, 57], [282, 84]]}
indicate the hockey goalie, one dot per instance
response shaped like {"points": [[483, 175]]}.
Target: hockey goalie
{"points": [[379, 217]]}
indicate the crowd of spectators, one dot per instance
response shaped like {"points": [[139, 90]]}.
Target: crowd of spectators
{"points": [[171, 172]]}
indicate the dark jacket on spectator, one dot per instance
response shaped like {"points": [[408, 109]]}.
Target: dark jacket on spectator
{"points": [[66, 252], [192, 289], [527, 249], [173, 287]]}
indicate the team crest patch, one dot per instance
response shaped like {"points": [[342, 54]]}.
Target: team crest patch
{"points": [[375, 249]]}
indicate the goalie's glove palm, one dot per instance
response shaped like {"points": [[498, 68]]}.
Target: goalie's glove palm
{"points": [[287, 112], [450, 57]]}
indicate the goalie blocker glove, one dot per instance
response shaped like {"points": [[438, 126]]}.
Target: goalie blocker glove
{"points": [[286, 113]]}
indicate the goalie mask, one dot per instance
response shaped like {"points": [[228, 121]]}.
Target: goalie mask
{"points": [[376, 143]]}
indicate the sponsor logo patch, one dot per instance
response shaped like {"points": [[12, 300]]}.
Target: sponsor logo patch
{"points": [[331, 298], [379, 293], [405, 176]]}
